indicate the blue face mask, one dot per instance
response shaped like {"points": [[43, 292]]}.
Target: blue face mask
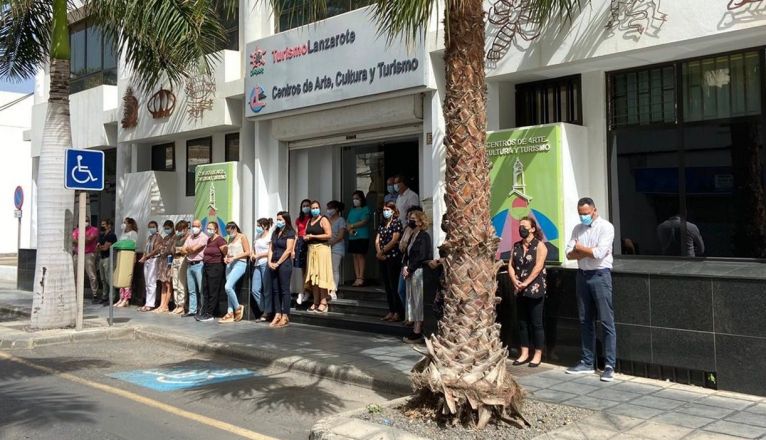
{"points": [[390, 189], [315, 212], [305, 209], [279, 224], [330, 212], [396, 187], [387, 214], [258, 230], [587, 220]]}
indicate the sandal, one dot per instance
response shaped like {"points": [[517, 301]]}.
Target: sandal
{"points": [[313, 308], [358, 283], [284, 322], [320, 309], [239, 313], [387, 317], [277, 319], [161, 310], [145, 309]]}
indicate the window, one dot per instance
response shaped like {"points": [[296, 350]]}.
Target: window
{"points": [[293, 13], [230, 23], [198, 152], [163, 157], [93, 61], [721, 87], [642, 97], [232, 147], [695, 184], [545, 102]]}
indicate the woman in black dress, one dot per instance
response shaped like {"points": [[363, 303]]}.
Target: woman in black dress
{"points": [[527, 272]]}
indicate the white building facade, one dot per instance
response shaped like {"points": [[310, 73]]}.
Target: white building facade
{"points": [[320, 111]]}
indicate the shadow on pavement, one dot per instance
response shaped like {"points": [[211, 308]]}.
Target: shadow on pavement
{"points": [[23, 404]]}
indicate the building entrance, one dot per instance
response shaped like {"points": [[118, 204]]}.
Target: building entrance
{"points": [[366, 168]]}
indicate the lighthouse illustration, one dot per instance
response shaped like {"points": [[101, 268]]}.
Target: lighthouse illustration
{"points": [[212, 213], [518, 205]]}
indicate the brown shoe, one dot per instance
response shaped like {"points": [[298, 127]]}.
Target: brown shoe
{"points": [[229, 317], [239, 313], [277, 319], [284, 322]]}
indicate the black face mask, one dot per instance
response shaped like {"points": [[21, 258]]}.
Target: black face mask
{"points": [[412, 224], [524, 232]]}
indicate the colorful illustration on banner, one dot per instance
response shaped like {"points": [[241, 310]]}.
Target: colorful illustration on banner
{"points": [[215, 195], [257, 95], [212, 214], [525, 183], [257, 61]]}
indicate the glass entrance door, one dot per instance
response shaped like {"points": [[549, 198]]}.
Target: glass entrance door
{"points": [[365, 168]]}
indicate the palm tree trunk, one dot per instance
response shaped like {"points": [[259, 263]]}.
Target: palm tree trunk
{"points": [[466, 362], [54, 300]]}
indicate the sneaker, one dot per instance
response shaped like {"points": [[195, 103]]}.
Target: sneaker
{"points": [[581, 368], [608, 374], [413, 338], [333, 296], [206, 318], [301, 297]]}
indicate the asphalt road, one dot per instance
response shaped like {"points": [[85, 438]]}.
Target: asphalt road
{"points": [[66, 392]]}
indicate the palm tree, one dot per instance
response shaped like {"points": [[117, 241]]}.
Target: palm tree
{"points": [[161, 40], [464, 367]]}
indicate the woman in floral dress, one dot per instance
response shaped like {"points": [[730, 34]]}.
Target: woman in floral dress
{"points": [[527, 272]]}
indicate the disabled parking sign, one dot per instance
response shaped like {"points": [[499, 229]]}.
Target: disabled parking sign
{"points": [[84, 170]]}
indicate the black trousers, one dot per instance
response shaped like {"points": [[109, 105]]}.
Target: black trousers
{"points": [[280, 287], [390, 270], [530, 315], [213, 281]]}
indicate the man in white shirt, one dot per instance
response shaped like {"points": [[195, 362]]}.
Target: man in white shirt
{"points": [[591, 245], [406, 199]]}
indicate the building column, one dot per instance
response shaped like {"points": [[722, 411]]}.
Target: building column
{"points": [[247, 170], [125, 166], [270, 173]]}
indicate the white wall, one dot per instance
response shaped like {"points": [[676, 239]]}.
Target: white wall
{"points": [[15, 169]]}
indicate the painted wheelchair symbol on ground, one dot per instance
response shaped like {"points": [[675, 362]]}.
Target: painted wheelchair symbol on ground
{"points": [[180, 378]]}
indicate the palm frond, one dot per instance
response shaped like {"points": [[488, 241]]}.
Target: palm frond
{"points": [[543, 11], [25, 36], [162, 40], [405, 18]]}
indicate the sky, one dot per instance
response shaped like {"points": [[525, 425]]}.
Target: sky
{"points": [[27, 86]]}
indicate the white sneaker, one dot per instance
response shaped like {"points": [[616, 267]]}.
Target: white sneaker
{"points": [[333, 296], [302, 297]]}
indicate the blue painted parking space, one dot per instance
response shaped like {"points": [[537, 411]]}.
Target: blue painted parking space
{"points": [[184, 377]]}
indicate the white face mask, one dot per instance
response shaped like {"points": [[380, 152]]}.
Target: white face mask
{"points": [[124, 227], [211, 232], [195, 230]]}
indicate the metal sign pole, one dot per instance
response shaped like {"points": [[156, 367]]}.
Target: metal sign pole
{"points": [[80, 262], [18, 234], [111, 285]]}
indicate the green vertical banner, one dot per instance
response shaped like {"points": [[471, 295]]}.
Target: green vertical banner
{"points": [[526, 181], [216, 194]]}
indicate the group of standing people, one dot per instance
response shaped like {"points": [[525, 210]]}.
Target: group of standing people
{"points": [[591, 245]]}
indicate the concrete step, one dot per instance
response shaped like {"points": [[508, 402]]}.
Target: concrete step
{"points": [[350, 322], [373, 308], [373, 293]]}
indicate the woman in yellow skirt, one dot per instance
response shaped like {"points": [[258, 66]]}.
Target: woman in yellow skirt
{"points": [[319, 277]]}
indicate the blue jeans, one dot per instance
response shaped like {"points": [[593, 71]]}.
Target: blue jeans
{"points": [[261, 288], [194, 286], [594, 300], [234, 272]]}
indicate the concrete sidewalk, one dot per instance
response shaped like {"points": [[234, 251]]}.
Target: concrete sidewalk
{"points": [[629, 407]]}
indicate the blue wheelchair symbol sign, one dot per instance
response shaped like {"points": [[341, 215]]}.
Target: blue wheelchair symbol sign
{"points": [[84, 170]]}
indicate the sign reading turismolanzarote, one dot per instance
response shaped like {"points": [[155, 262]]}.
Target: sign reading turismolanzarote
{"points": [[333, 60]]}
